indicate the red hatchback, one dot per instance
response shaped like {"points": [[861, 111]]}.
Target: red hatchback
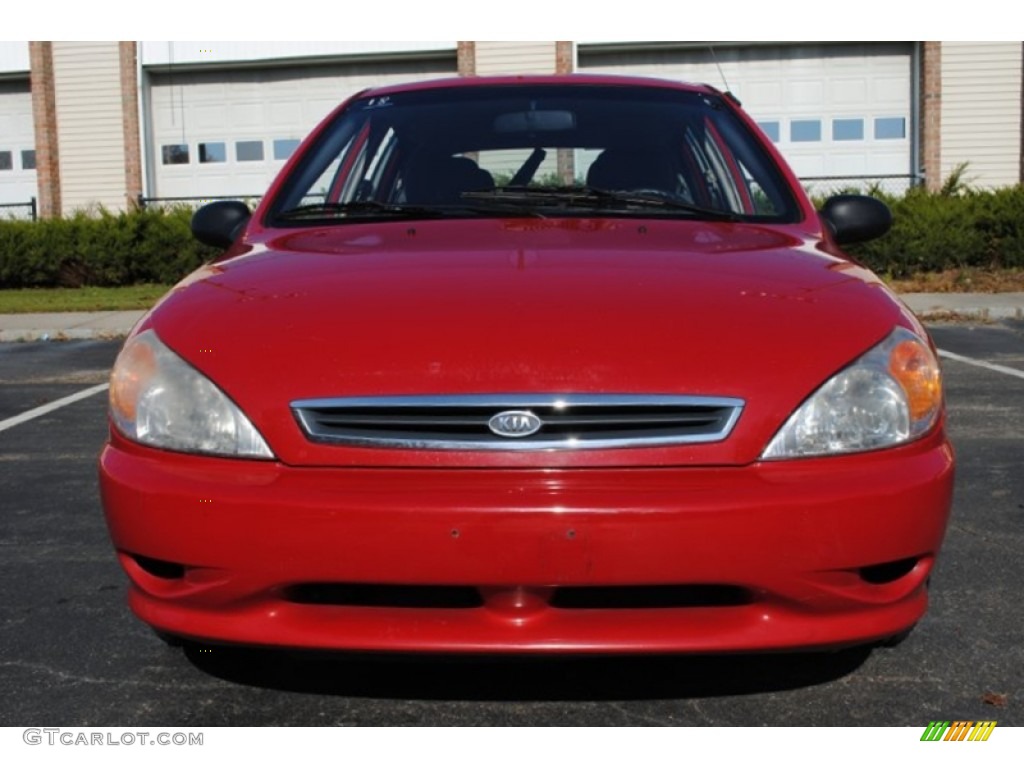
{"points": [[562, 364]]}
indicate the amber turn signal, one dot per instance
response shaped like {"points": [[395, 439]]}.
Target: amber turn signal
{"points": [[135, 368], [916, 370]]}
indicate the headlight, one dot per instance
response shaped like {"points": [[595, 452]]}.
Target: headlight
{"points": [[158, 399], [891, 395]]}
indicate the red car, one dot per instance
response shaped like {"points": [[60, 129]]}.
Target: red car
{"points": [[563, 364]]}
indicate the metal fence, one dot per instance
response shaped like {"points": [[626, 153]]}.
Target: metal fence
{"points": [[816, 186], [195, 201], [33, 213], [892, 184]]}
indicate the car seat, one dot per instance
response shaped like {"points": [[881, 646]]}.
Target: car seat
{"points": [[632, 169], [441, 180]]}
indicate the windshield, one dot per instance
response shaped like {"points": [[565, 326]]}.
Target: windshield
{"points": [[535, 150]]}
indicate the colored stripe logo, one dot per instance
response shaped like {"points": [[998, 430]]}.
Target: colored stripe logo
{"points": [[959, 730]]}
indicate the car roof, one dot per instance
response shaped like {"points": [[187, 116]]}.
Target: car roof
{"points": [[474, 81]]}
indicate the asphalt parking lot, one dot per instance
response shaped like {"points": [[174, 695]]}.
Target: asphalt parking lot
{"points": [[72, 654]]}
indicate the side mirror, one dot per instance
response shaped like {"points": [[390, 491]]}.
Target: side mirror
{"points": [[219, 223], [856, 218]]}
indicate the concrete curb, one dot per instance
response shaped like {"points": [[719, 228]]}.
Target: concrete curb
{"points": [[966, 306], [62, 326]]}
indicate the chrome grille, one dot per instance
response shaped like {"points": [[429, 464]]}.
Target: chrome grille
{"points": [[468, 422]]}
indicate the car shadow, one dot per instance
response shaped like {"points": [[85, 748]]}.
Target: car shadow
{"points": [[471, 678]]}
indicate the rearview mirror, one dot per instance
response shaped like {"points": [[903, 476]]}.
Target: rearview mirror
{"points": [[535, 120], [856, 218], [219, 223]]}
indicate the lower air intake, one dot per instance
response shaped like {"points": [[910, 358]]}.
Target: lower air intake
{"points": [[670, 596], [384, 595]]}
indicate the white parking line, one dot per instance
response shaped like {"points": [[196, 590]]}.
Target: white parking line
{"points": [[982, 364], [42, 410]]}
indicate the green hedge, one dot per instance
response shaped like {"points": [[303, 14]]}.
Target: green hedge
{"points": [[954, 228], [148, 246]]}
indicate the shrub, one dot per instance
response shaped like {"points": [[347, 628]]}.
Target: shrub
{"points": [[956, 227], [147, 246], [953, 228]]}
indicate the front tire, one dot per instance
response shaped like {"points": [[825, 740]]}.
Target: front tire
{"points": [[171, 641], [895, 640]]}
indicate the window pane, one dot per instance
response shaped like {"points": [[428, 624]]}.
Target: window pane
{"points": [[848, 130], [771, 130], [248, 151], [175, 154], [212, 152], [283, 148], [890, 128], [6, 161], [805, 130], [28, 159]]}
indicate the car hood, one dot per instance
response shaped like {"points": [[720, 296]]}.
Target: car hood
{"points": [[526, 306]]}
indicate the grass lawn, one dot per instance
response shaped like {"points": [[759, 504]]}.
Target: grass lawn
{"points": [[89, 299], [965, 280]]}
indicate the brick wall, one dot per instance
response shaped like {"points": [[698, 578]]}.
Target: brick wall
{"points": [[130, 113], [44, 118], [466, 56], [931, 113], [565, 58]]}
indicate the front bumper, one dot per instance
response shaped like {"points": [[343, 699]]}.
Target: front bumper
{"points": [[783, 555]]}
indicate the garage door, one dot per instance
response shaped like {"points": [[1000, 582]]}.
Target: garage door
{"points": [[833, 110], [229, 133], [17, 147]]}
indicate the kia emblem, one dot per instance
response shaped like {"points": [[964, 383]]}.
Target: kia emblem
{"points": [[514, 424]]}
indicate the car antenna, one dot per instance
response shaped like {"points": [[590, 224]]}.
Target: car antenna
{"points": [[728, 93]]}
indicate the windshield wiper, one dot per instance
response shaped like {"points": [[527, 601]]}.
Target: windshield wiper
{"points": [[360, 208], [595, 198], [376, 209]]}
